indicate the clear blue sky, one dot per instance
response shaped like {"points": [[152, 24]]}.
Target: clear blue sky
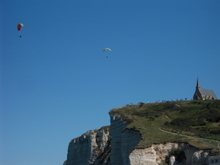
{"points": [[56, 83]]}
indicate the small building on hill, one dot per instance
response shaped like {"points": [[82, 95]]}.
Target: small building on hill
{"points": [[203, 94]]}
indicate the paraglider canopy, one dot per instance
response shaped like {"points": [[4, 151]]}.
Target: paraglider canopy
{"points": [[107, 49], [19, 26]]}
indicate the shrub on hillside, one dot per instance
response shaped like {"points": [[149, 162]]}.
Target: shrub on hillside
{"points": [[212, 115], [215, 130]]}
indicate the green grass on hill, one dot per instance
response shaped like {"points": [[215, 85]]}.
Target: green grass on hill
{"points": [[199, 120]]}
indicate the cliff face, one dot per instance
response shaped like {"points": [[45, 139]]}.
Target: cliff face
{"points": [[123, 141], [157, 153], [100, 147], [93, 147]]}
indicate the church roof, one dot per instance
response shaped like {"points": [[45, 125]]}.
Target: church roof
{"points": [[208, 92]]}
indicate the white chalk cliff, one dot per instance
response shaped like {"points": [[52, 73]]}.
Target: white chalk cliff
{"points": [[93, 147], [117, 145]]}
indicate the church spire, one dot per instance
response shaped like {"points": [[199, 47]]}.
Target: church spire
{"points": [[197, 84]]}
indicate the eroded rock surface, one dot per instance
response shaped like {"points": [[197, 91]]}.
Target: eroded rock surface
{"points": [[93, 147], [117, 145]]}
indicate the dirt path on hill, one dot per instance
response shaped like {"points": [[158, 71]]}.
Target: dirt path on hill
{"points": [[200, 139]]}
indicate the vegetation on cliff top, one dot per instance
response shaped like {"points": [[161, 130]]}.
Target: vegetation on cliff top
{"points": [[193, 122]]}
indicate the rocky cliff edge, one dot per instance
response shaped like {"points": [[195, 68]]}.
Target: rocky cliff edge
{"points": [[116, 145]]}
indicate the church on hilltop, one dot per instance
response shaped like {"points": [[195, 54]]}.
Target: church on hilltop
{"points": [[203, 94]]}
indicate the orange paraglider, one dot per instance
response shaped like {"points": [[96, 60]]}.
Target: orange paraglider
{"points": [[19, 26]]}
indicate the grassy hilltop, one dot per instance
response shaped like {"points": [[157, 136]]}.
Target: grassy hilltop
{"points": [[194, 122]]}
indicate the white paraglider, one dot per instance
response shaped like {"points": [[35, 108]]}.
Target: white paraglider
{"points": [[107, 49]]}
